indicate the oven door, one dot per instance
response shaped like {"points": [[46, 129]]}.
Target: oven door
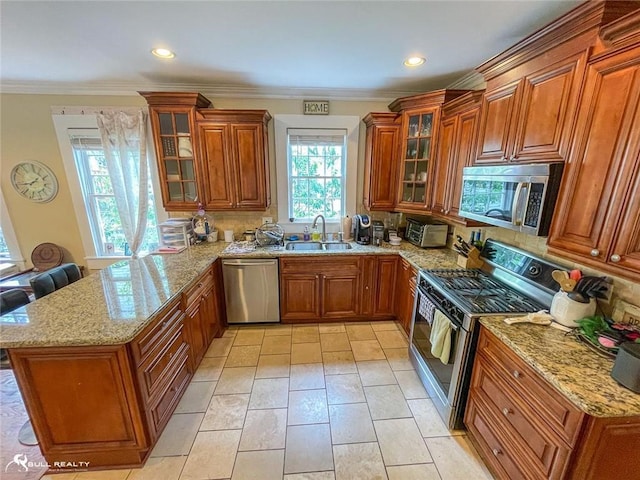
{"points": [[442, 381]]}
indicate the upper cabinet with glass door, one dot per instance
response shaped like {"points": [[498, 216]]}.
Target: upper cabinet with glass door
{"points": [[420, 120], [174, 131]]}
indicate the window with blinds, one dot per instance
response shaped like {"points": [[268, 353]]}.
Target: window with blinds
{"points": [[99, 200], [4, 248], [316, 169]]}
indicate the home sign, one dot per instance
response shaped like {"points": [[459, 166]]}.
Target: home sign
{"points": [[316, 107]]}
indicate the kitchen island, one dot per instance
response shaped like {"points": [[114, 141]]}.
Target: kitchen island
{"points": [[543, 405], [102, 363]]}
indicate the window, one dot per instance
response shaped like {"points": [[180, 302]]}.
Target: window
{"points": [[99, 199], [316, 166], [11, 260], [5, 254], [90, 188]]}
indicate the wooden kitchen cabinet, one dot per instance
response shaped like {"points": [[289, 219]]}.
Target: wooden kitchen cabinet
{"points": [[161, 354], [211, 156], [174, 133], [197, 305], [381, 161], [530, 119], [457, 146], [54, 378], [379, 274], [596, 218], [405, 294], [235, 159], [320, 288], [524, 428], [417, 146]]}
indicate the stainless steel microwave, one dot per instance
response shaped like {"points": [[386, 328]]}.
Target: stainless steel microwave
{"points": [[518, 197]]}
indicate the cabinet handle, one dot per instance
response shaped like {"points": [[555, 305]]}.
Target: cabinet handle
{"points": [[497, 451], [615, 258], [516, 374], [366, 287], [595, 252], [506, 411]]}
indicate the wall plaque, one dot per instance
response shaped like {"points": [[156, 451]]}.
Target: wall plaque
{"points": [[316, 107]]}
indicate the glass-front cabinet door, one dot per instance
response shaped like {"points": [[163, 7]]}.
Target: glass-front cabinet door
{"points": [[175, 149], [417, 155], [173, 124]]}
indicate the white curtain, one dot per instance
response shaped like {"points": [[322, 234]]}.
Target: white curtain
{"points": [[125, 147]]}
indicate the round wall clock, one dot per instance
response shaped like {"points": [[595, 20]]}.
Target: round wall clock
{"points": [[34, 181]]}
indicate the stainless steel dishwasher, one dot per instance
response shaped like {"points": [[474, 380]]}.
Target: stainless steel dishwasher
{"points": [[251, 290]]}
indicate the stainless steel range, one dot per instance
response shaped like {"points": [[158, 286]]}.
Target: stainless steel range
{"points": [[447, 306]]}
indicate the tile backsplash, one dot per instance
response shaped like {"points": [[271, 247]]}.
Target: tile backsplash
{"points": [[623, 289]]}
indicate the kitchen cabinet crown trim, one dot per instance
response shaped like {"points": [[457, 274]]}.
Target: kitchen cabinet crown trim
{"points": [[192, 99], [584, 19], [625, 30], [435, 98]]}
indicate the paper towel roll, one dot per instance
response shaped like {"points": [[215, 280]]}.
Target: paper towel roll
{"points": [[346, 228]]}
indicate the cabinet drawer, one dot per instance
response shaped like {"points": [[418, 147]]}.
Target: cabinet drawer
{"points": [[194, 293], [495, 450], [161, 411], [313, 265], [156, 371], [546, 451], [552, 406], [157, 334]]}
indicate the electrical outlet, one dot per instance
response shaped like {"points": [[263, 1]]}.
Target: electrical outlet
{"points": [[628, 317], [267, 219]]}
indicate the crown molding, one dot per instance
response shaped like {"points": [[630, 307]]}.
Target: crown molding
{"points": [[225, 91]]}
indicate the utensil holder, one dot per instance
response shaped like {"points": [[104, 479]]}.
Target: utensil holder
{"points": [[472, 260]]}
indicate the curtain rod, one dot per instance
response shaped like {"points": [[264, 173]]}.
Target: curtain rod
{"points": [[92, 110]]}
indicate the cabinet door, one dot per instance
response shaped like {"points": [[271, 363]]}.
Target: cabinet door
{"points": [[386, 283], [420, 129], [212, 323], [446, 156], [603, 161], [380, 185], [546, 111], [249, 163], [465, 142], [496, 118], [299, 297], [369, 284], [405, 293], [176, 150], [196, 327], [218, 171], [340, 295], [625, 252]]}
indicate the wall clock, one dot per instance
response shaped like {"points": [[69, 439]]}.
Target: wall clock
{"points": [[34, 181]]}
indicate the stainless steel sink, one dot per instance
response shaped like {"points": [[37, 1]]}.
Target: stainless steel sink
{"points": [[304, 246], [337, 246], [318, 246]]}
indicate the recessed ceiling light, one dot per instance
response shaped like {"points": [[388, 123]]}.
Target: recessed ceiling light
{"points": [[163, 53], [414, 61]]}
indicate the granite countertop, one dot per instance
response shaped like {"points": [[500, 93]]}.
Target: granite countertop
{"points": [[112, 306], [570, 366]]}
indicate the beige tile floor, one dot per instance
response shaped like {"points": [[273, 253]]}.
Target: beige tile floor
{"points": [[313, 402]]}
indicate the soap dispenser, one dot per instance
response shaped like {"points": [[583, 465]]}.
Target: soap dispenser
{"points": [[305, 235]]}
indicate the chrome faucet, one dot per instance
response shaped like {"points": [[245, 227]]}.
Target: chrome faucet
{"points": [[324, 228]]}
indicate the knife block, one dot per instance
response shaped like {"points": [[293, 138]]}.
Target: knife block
{"points": [[472, 261]]}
